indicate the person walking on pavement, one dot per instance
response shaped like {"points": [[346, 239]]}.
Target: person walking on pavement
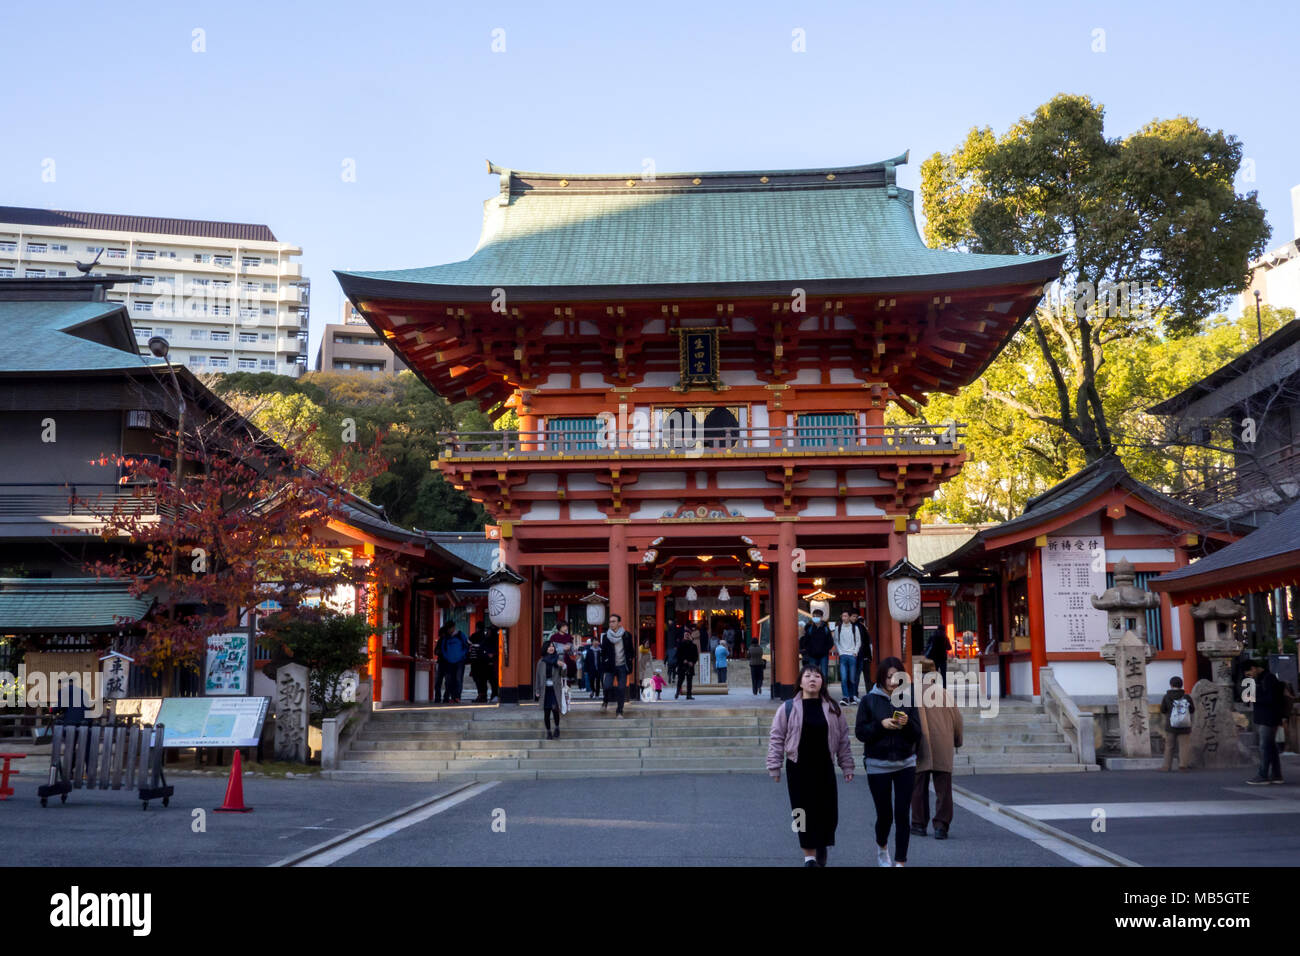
{"points": [[809, 734], [1177, 707], [591, 668], [937, 651], [756, 667], [890, 729], [720, 661], [941, 729], [479, 661], [688, 653], [617, 658], [1270, 710], [548, 686], [864, 652], [848, 644], [451, 650], [817, 643]]}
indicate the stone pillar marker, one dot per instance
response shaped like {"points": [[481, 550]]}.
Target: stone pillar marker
{"points": [[292, 709], [1215, 741], [1126, 605]]}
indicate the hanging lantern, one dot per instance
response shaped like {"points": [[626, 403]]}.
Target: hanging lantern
{"points": [[691, 595], [820, 600], [503, 597], [595, 609], [723, 596], [904, 591]]}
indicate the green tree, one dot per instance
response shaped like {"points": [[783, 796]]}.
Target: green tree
{"points": [[1153, 232], [328, 644]]}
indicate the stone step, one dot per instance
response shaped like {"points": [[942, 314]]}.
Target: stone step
{"points": [[1015, 757]]}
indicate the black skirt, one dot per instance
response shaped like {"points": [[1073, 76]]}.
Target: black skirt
{"points": [[551, 702], [811, 781]]}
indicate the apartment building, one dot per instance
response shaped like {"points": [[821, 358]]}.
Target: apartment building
{"points": [[227, 296], [353, 346], [1276, 274]]}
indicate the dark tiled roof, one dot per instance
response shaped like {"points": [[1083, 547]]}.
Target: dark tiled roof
{"points": [[31, 605], [470, 546], [115, 223], [56, 337], [1277, 538], [1279, 340], [1088, 483]]}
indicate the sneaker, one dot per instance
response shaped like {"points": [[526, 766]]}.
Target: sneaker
{"points": [[549, 735], [882, 856], [821, 857], [920, 831], [896, 863], [941, 834], [844, 702], [809, 861], [620, 717], [557, 733], [1258, 781], [604, 706], [1275, 780]]}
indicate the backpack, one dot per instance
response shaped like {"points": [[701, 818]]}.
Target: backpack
{"points": [[453, 651], [1180, 714]]}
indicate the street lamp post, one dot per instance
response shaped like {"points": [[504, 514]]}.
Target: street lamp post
{"points": [[159, 347], [1259, 322]]}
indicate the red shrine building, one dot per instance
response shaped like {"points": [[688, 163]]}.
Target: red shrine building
{"points": [[700, 365]]}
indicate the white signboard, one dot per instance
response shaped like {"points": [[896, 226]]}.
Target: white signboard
{"points": [[212, 721], [1074, 569], [228, 664]]}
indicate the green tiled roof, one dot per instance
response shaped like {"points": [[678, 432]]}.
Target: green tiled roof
{"points": [[851, 223], [51, 336], [46, 605]]}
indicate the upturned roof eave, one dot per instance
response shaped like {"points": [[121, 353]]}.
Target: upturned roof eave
{"points": [[359, 287], [899, 160]]}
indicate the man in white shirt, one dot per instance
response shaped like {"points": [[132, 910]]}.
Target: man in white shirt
{"points": [[848, 644]]}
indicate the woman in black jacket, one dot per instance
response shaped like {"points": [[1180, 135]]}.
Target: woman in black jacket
{"points": [[890, 728]]}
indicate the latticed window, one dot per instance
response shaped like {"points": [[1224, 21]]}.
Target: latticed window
{"points": [[825, 429], [574, 434]]}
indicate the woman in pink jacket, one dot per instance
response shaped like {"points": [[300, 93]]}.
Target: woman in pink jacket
{"points": [[810, 734]]}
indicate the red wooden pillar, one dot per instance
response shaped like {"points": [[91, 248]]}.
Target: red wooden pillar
{"points": [[785, 615], [407, 598], [1037, 625], [659, 625], [618, 584], [374, 643]]}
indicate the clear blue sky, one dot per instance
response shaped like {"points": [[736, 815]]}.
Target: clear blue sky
{"points": [[257, 127]]}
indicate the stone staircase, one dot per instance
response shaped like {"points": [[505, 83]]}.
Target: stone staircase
{"points": [[421, 743]]}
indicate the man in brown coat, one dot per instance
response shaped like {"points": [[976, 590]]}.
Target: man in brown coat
{"points": [[940, 736]]}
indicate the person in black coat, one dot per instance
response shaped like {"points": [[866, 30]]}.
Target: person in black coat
{"points": [[1272, 706], [591, 668], [817, 643], [937, 651], [890, 729], [688, 655]]}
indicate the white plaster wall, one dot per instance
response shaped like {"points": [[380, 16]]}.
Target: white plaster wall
{"points": [[819, 508], [654, 508], [820, 478], [538, 481], [1140, 555], [1085, 678], [741, 479], [581, 482], [591, 379], [807, 376], [739, 324], [810, 322], [1176, 631], [556, 380], [661, 481], [588, 328], [759, 421], [394, 684], [421, 685], [584, 511], [1088, 524], [865, 477], [749, 507], [543, 511], [1021, 676], [653, 327], [862, 506], [553, 328], [845, 376], [1158, 674], [1137, 524], [736, 376], [843, 322], [659, 379]]}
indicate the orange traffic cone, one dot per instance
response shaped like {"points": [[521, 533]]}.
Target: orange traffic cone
{"points": [[235, 790]]}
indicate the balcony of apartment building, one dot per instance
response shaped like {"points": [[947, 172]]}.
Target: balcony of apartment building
{"points": [[1254, 482]]}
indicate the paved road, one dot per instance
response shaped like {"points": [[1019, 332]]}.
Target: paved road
{"points": [[1202, 818]]}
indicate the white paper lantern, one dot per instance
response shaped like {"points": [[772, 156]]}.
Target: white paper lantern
{"points": [[595, 614], [503, 604], [691, 595], [823, 606], [904, 599], [724, 596]]}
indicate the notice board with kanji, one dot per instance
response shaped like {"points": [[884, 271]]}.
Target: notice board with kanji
{"points": [[1074, 569]]}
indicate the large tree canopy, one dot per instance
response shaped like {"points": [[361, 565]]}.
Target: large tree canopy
{"points": [[1154, 232]]}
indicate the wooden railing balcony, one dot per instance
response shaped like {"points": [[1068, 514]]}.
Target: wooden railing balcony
{"points": [[704, 442], [1249, 483]]}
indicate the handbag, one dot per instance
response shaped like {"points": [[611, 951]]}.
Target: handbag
{"points": [[564, 698]]}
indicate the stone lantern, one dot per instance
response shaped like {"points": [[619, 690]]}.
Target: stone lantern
{"points": [[1215, 736], [1126, 606]]}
